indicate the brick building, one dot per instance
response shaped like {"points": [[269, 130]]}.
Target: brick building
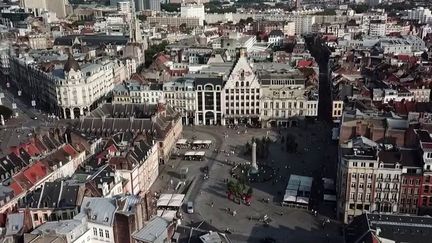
{"points": [[411, 181]]}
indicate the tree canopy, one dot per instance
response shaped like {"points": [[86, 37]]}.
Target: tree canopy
{"points": [[153, 50], [171, 7]]}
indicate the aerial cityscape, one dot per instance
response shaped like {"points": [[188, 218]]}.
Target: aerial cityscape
{"points": [[207, 121]]}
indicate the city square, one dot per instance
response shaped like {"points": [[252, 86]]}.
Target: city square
{"points": [[247, 223]]}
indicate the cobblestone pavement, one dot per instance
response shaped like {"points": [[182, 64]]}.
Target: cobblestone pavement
{"points": [[287, 224]]}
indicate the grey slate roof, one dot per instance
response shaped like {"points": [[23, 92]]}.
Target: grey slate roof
{"points": [[156, 227], [52, 195], [91, 40], [14, 223], [399, 228], [99, 210]]}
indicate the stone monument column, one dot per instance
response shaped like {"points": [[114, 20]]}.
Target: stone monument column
{"points": [[254, 168]]}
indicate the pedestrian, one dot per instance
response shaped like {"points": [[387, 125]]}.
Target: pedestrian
{"points": [[212, 204]]}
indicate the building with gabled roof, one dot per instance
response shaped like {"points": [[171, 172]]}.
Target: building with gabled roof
{"points": [[100, 213], [241, 94], [51, 202], [158, 122]]}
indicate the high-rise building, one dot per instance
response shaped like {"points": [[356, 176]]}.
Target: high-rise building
{"points": [[38, 6], [154, 5], [193, 11], [139, 5], [123, 7], [298, 4]]}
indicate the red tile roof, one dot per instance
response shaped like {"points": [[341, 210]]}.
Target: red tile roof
{"points": [[70, 150], [404, 58], [22, 181], [111, 149], [16, 188], [304, 63], [29, 147], [35, 172]]}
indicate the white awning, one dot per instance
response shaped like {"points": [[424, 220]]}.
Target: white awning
{"points": [[190, 153], [182, 141], [200, 153], [170, 200]]}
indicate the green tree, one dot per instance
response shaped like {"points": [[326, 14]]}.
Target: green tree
{"points": [[249, 191], [6, 112], [152, 51], [360, 8], [327, 12], [231, 186], [171, 7]]}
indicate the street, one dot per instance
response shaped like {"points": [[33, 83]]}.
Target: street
{"points": [[18, 129]]}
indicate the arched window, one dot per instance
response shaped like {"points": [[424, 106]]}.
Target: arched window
{"points": [[242, 84], [247, 84], [237, 84]]}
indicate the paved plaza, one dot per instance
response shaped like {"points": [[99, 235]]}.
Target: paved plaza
{"points": [[316, 157]]}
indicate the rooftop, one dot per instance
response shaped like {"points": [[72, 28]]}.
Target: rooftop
{"points": [[152, 230]]}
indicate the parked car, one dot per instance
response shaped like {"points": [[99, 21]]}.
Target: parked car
{"points": [[190, 208]]}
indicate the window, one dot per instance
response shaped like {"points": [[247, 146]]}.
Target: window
{"points": [[371, 164], [361, 176], [352, 195], [106, 234], [100, 232], [354, 175], [363, 164], [95, 231], [353, 184], [35, 217], [361, 185], [369, 185]]}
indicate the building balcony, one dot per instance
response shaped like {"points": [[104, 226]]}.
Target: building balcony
{"points": [[379, 189], [386, 190], [387, 179], [379, 179], [394, 190], [396, 180]]}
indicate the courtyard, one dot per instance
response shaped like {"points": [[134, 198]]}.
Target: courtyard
{"points": [[314, 155]]}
